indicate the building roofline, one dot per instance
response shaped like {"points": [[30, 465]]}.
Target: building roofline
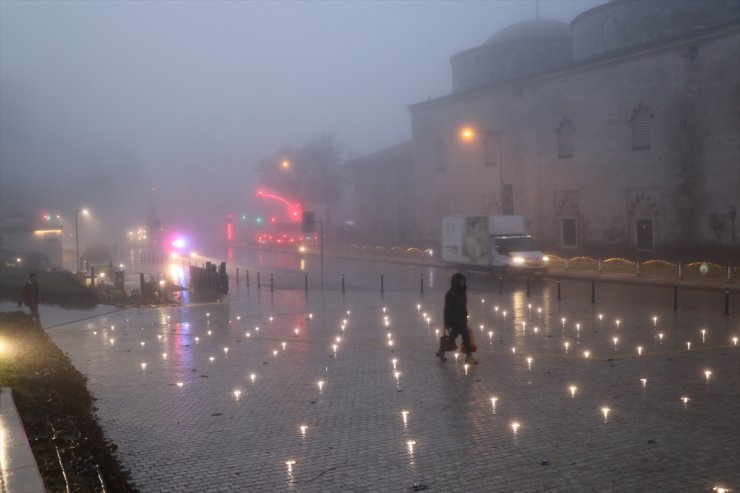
{"points": [[394, 150], [608, 58]]}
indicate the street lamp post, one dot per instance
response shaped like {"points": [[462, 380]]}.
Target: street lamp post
{"points": [[77, 238], [469, 134]]}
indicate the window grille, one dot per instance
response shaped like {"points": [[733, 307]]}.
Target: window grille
{"points": [[641, 131], [565, 139]]}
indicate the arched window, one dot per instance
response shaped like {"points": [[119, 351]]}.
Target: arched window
{"points": [[641, 127], [565, 139], [440, 155]]}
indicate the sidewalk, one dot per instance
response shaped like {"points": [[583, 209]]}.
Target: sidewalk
{"points": [[198, 399]]}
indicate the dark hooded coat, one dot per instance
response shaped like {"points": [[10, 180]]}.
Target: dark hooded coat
{"points": [[456, 304]]}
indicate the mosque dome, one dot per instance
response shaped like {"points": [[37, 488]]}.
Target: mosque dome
{"points": [[519, 50], [532, 30]]}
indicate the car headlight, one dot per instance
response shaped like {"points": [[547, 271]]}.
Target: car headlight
{"points": [[545, 258], [518, 260]]}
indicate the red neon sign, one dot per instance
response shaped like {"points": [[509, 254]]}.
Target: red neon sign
{"points": [[293, 210]]}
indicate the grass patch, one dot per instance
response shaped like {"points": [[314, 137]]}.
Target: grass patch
{"points": [[56, 409]]}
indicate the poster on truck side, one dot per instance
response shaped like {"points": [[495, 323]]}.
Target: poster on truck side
{"points": [[465, 240]]}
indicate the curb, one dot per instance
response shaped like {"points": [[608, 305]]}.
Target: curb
{"points": [[19, 472]]}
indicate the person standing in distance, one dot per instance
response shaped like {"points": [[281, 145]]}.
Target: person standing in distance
{"points": [[456, 314], [31, 296]]}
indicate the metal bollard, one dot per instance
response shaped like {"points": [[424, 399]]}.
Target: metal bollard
{"points": [[727, 302], [558, 289], [272, 287], [593, 291], [305, 282], [259, 284], [237, 276], [421, 283], [342, 283], [381, 284]]}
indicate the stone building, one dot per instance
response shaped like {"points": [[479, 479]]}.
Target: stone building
{"points": [[382, 197], [622, 128]]}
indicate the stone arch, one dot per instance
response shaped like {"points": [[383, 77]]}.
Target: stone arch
{"points": [[566, 203], [443, 206], [643, 220], [489, 204], [642, 204]]}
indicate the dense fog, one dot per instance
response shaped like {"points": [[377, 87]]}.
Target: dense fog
{"points": [[135, 109]]}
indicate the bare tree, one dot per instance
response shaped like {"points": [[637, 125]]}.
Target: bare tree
{"points": [[311, 173]]}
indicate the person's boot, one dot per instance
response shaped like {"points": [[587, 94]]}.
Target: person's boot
{"points": [[440, 353], [470, 360]]}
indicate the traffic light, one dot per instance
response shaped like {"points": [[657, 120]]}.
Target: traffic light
{"points": [[309, 223]]}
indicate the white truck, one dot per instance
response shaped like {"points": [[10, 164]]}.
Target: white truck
{"points": [[496, 243]]}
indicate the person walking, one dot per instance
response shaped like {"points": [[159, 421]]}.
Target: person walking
{"points": [[31, 296], [456, 316]]}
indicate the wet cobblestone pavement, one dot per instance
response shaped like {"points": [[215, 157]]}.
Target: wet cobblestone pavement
{"points": [[279, 391]]}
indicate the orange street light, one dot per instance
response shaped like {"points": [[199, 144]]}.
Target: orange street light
{"points": [[285, 164], [467, 133]]}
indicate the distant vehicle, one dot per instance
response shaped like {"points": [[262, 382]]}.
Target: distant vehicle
{"points": [[31, 260], [285, 234], [495, 243]]}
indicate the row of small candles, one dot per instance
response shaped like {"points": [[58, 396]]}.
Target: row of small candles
{"points": [[514, 425]]}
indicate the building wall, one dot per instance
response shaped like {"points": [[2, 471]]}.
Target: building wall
{"points": [[383, 203], [692, 168], [627, 24]]}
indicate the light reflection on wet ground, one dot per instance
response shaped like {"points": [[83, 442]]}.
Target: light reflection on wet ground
{"points": [[541, 434]]}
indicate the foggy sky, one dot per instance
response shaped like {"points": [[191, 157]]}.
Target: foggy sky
{"points": [[123, 105]]}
